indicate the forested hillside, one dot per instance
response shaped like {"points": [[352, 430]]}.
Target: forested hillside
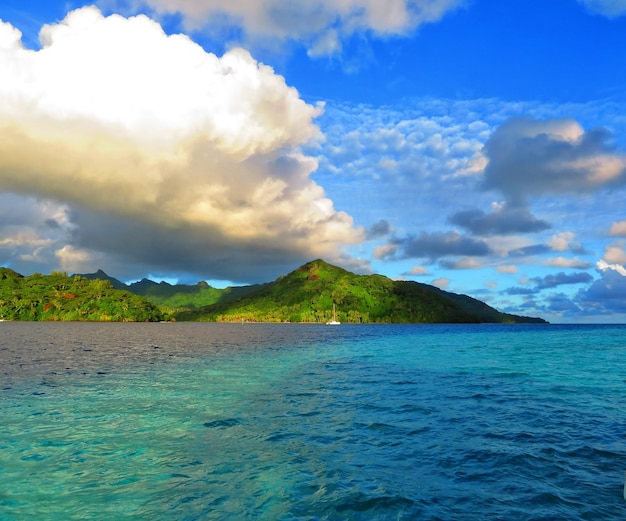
{"points": [[308, 294], [60, 297], [176, 298]]}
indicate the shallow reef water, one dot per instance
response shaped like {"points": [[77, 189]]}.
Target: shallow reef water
{"points": [[192, 421]]}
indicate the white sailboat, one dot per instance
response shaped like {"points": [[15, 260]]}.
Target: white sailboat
{"points": [[333, 322]]}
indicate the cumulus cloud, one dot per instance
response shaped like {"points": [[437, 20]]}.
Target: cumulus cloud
{"points": [[606, 295], [30, 230], [604, 266], [560, 279], [322, 25], [614, 254], [608, 8], [502, 220], [76, 260], [528, 251], [551, 282], [441, 283], [164, 152], [618, 229], [563, 262], [464, 263], [433, 246], [416, 271], [516, 290], [561, 241], [561, 304], [532, 158], [529, 157], [386, 251], [379, 229]]}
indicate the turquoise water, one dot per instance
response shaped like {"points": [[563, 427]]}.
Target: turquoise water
{"points": [[277, 422]]}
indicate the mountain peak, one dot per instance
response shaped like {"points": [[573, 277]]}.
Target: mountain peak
{"points": [[101, 275]]}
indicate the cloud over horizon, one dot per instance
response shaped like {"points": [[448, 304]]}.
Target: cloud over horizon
{"points": [[151, 140]]}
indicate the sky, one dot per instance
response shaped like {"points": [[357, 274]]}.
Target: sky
{"points": [[475, 145]]}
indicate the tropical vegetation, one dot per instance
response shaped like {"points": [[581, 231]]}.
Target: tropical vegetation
{"points": [[59, 297], [309, 294], [173, 299]]}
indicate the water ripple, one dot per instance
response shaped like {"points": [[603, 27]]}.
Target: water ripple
{"points": [[204, 422]]}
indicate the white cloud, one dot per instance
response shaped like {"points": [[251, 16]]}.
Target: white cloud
{"points": [[604, 266], [441, 283], [507, 269], [615, 254], [562, 262], [74, 260], [608, 8], [413, 149], [618, 229], [10, 37], [503, 245], [466, 263], [23, 238], [319, 24], [386, 250], [151, 133], [561, 241], [130, 78]]}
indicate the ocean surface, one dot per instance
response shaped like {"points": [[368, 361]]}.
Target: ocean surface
{"points": [[189, 421]]}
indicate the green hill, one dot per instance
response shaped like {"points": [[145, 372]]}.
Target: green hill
{"points": [[176, 298], [59, 297], [308, 294], [304, 295], [183, 297]]}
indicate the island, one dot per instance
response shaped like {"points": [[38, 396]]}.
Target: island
{"points": [[316, 292]]}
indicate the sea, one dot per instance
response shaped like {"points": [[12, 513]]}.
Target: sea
{"points": [[204, 421]]}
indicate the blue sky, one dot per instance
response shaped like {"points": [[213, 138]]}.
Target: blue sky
{"points": [[476, 145]]}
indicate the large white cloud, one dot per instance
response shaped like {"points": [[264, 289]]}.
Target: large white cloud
{"points": [[320, 24], [154, 135]]}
